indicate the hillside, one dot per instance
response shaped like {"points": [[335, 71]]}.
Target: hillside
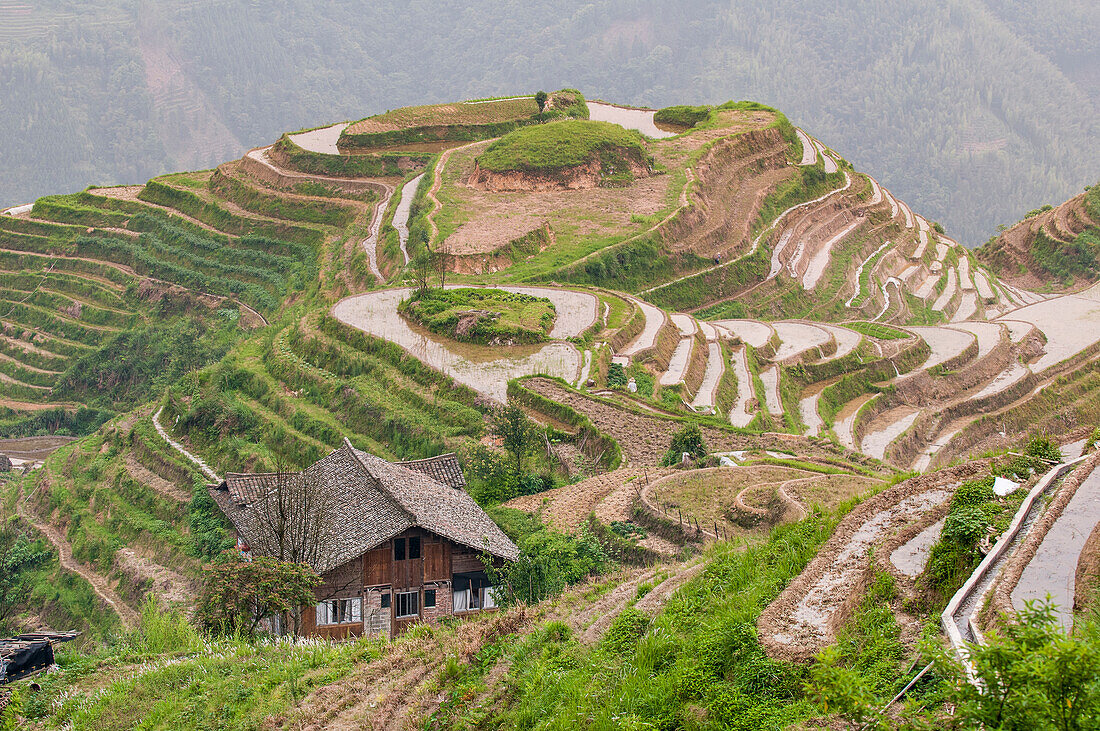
{"points": [[858, 379], [190, 86], [1052, 248]]}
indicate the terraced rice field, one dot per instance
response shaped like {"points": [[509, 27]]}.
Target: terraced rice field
{"points": [[740, 415], [705, 398], [1071, 324], [946, 343], [638, 119], [798, 337], [1053, 568], [321, 140], [484, 369]]}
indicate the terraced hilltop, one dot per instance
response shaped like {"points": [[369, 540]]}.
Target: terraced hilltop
{"points": [[850, 366]]}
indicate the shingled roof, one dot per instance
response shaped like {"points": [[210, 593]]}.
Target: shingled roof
{"points": [[371, 500], [444, 468]]}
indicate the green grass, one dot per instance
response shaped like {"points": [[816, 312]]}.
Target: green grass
{"points": [[877, 330], [683, 115], [485, 316], [553, 148]]}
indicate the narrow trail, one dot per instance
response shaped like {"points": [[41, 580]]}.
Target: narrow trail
{"points": [[437, 181], [126, 615], [205, 468]]}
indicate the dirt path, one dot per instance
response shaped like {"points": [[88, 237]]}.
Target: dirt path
{"points": [[127, 616], [205, 468], [437, 181]]}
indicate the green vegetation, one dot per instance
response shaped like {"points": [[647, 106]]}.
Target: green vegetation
{"points": [[1067, 261], [552, 149], [877, 330], [463, 121], [688, 439], [682, 115], [382, 164], [484, 316]]}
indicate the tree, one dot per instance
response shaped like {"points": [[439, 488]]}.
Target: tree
{"points": [[422, 270], [238, 594], [517, 432], [1033, 675], [541, 97], [296, 520], [443, 260], [19, 558], [688, 439]]}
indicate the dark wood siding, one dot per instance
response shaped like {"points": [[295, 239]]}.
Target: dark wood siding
{"points": [[376, 565], [437, 555]]}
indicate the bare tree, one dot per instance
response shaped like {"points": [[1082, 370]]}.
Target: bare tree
{"points": [[296, 519], [422, 270], [443, 261]]}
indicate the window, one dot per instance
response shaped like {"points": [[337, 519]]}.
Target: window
{"points": [[339, 611], [386, 600], [408, 604], [414, 547], [429, 598], [398, 549]]}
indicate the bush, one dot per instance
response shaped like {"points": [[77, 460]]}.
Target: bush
{"points": [[682, 115], [689, 439], [238, 594], [549, 561]]}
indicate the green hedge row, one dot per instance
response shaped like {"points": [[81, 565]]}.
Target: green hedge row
{"points": [[214, 215], [327, 213], [387, 164], [596, 441]]}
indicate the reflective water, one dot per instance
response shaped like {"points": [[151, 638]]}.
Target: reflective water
{"points": [[639, 119], [485, 369]]}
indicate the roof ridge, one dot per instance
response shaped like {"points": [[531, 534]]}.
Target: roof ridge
{"points": [[394, 500]]}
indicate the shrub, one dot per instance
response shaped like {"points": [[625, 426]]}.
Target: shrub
{"points": [[682, 115], [238, 594], [689, 439]]}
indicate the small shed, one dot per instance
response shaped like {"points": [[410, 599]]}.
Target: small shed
{"points": [[27, 654]]}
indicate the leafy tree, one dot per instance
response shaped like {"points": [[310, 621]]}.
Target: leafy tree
{"points": [[237, 593], [518, 433], [21, 556], [549, 561], [688, 439], [541, 98]]}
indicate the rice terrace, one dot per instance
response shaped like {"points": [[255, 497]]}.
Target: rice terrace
{"points": [[571, 414]]}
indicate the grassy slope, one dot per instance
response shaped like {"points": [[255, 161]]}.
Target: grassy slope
{"points": [[551, 148]]}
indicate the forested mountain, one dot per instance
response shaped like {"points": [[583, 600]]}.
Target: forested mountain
{"points": [[973, 111]]}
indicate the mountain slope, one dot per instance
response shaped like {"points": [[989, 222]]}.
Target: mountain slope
{"points": [[1014, 125]]}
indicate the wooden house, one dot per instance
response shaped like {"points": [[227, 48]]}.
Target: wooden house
{"points": [[401, 542]]}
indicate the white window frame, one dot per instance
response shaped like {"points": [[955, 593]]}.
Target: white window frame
{"points": [[398, 595], [330, 612]]}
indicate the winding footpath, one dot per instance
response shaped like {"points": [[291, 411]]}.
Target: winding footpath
{"points": [[205, 468], [126, 615]]}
